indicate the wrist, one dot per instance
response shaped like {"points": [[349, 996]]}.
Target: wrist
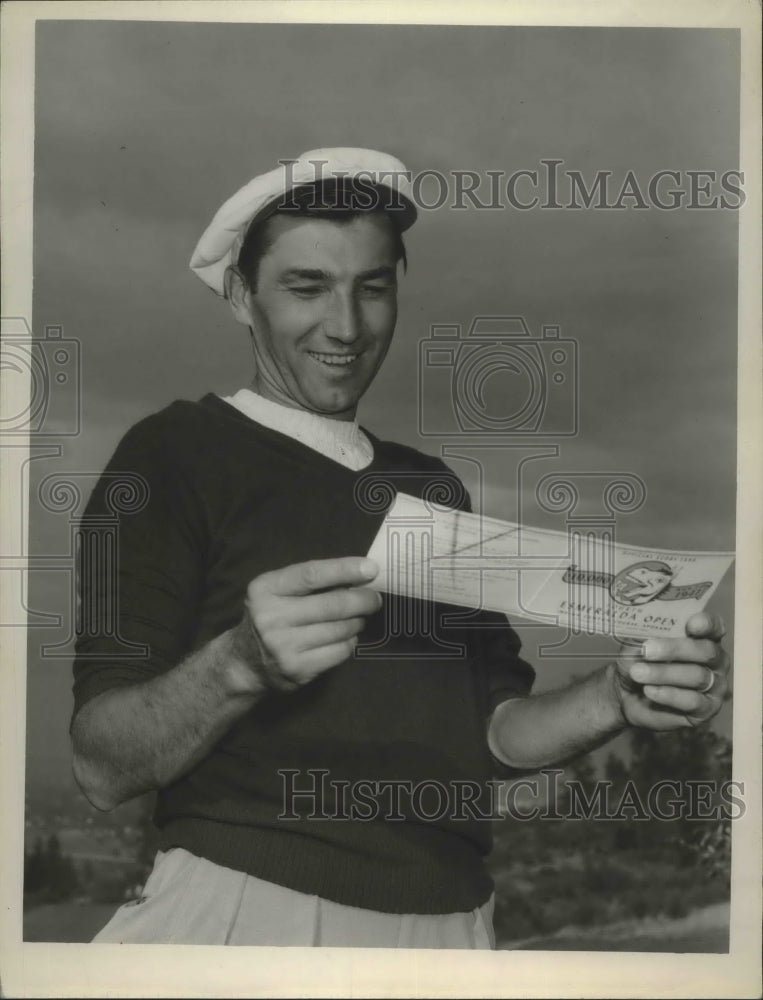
{"points": [[237, 669], [249, 652], [611, 699]]}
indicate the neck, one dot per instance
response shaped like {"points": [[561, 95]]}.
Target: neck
{"points": [[270, 392]]}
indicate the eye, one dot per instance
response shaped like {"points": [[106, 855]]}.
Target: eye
{"points": [[376, 290], [306, 291]]}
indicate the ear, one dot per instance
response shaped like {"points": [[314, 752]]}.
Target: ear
{"points": [[238, 295]]}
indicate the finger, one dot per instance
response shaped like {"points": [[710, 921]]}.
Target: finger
{"points": [[676, 699], [334, 605], [315, 661], [319, 574], [683, 675], [709, 684], [706, 626], [327, 633], [658, 718], [681, 651]]}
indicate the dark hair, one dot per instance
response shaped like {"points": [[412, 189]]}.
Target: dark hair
{"points": [[336, 199]]}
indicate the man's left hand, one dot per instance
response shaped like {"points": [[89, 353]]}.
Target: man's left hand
{"points": [[674, 683]]}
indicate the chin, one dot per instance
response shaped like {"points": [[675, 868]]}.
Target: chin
{"points": [[344, 408], [343, 412]]}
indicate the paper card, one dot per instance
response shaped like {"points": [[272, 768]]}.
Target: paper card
{"points": [[589, 584]]}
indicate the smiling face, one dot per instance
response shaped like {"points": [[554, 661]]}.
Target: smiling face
{"points": [[324, 310]]}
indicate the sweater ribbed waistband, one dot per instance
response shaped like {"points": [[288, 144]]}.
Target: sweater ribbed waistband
{"points": [[439, 874]]}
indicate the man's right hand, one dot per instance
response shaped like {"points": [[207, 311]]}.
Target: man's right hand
{"points": [[306, 618], [299, 621]]}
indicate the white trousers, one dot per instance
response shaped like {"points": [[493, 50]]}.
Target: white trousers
{"points": [[189, 900]]}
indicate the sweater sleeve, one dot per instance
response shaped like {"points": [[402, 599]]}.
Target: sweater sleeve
{"points": [[141, 567], [496, 646]]}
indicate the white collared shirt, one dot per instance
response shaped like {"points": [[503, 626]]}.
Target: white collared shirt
{"points": [[341, 440]]}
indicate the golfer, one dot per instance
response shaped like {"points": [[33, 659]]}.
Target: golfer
{"points": [[243, 596]]}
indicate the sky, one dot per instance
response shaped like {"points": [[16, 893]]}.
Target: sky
{"points": [[144, 128]]}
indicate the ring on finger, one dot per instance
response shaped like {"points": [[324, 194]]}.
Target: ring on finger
{"points": [[709, 686]]}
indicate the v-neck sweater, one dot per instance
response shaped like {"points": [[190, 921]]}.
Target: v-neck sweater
{"points": [[341, 440], [227, 500]]}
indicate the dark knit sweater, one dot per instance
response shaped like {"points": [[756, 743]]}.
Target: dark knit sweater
{"points": [[228, 500]]}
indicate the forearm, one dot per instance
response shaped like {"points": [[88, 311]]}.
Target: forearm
{"points": [[140, 738], [552, 728]]}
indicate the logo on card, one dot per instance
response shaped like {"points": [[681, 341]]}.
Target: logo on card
{"points": [[639, 583]]}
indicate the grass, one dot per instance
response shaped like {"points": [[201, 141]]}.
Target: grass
{"points": [[702, 931], [69, 923]]}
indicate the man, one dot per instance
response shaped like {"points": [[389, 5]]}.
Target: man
{"points": [[243, 577]]}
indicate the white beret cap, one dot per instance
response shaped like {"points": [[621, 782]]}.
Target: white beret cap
{"points": [[221, 241]]}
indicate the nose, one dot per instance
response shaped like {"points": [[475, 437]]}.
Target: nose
{"points": [[343, 321]]}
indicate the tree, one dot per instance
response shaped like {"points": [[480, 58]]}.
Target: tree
{"points": [[34, 868], [698, 761], [615, 771], [148, 834]]}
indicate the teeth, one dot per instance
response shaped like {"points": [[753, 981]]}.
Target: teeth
{"points": [[333, 359]]}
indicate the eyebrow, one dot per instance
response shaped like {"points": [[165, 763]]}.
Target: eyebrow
{"points": [[379, 272], [316, 274], [302, 274]]}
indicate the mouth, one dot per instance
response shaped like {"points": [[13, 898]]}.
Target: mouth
{"points": [[334, 360]]}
